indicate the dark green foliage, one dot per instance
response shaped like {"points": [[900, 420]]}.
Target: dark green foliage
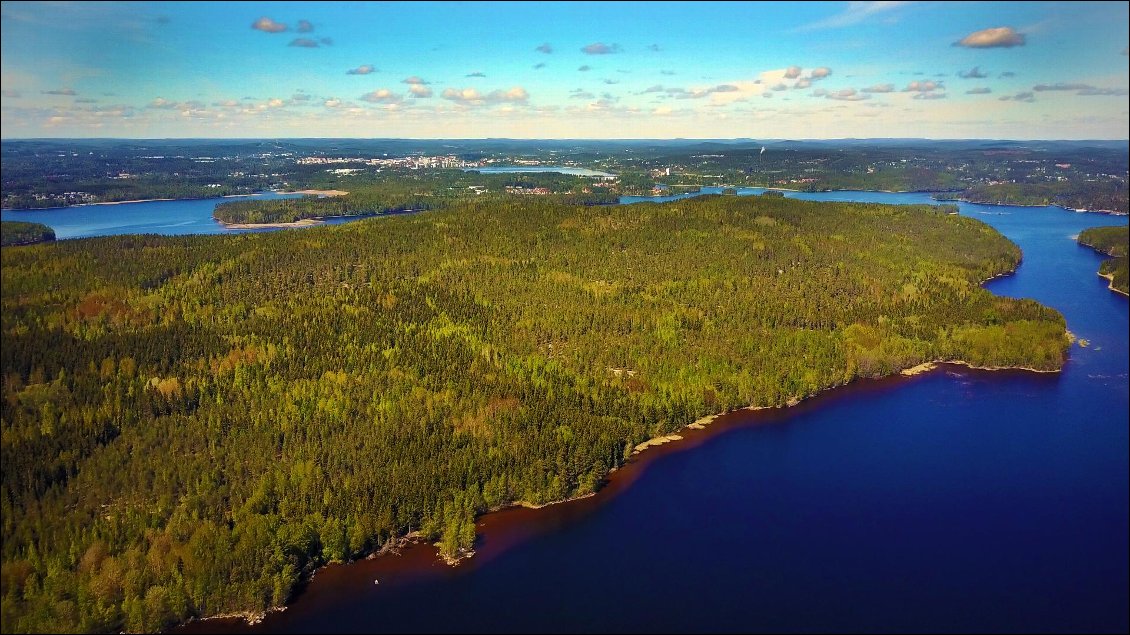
{"points": [[1112, 241], [190, 423], [14, 232], [1088, 195]]}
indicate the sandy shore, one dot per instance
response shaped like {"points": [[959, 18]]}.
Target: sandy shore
{"points": [[1110, 278], [305, 222], [317, 192]]}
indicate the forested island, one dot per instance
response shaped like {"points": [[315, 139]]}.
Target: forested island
{"points": [[216, 416], [1114, 242], [1107, 197], [20, 233]]}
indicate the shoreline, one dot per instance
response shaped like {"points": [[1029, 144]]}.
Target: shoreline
{"points": [[305, 222], [1110, 285], [423, 555]]}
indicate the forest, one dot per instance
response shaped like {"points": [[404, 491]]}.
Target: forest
{"points": [[1114, 242], [391, 195], [192, 424], [13, 232], [58, 172]]}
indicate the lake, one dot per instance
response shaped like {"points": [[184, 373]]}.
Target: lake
{"points": [[170, 218], [512, 169], [957, 500]]}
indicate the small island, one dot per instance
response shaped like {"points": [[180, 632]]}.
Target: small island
{"points": [[21, 233], [1114, 242]]}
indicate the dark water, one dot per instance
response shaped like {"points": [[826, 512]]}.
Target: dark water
{"points": [[170, 218], [954, 501]]}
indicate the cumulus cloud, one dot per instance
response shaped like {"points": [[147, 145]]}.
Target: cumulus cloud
{"points": [[819, 73], [600, 48], [973, 73], [545, 48], [227, 103], [300, 97], [847, 94], [68, 92], [382, 96], [585, 68], [930, 96], [420, 90], [1026, 97], [999, 37], [414, 80], [164, 104], [476, 74], [980, 90], [1040, 88], [803, 82], [792, 72], [779, 86], [610, 81], [332, 102], [304, 42], [581, 94], [1008, 74], [472, 97], [304, 26], [926, 86], [880, 88], [363, 69], [268, 25], [1095, 92]]}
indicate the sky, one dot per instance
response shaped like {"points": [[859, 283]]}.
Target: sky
{"points": [[780, 70]]}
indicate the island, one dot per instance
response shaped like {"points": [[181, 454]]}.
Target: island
{"points": [[1115, 242], [218, 416], [21, 233]]}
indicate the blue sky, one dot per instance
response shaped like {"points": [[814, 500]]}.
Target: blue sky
{"points": [[565, 70]]}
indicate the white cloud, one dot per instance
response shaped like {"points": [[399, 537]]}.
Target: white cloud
{"points": [[363, 69], [600, 48], [847, 94], [268, 25], [999, 37], [382, 96], [792, 72]]}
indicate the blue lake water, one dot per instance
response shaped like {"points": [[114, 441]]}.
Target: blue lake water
{"points": [[953, 501], [170, 218]]}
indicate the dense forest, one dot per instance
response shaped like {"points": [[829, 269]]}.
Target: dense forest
{"points": [[192, 423], [14, 232], [397, 195], [1110, 196], [1114, 242]]}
